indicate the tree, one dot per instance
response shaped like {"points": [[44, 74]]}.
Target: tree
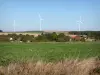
{"points": [[1, 30], [63, 38], [41, 38], [61, 35], [48, 36], [54, 36], [14, 36], [26, 38]]}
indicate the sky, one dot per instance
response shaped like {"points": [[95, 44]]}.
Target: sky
{"points": [[60, 15]]}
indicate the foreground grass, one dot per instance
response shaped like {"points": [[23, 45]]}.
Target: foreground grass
{"points": [[14, 52], [66, 67]]}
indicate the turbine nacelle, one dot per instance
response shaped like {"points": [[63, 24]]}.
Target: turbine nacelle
{"points": [[80, 21], [40, 17]]}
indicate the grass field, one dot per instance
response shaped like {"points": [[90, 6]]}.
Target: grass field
{"points": [[13, 52]]}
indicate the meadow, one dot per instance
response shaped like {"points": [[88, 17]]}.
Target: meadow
{"points": [[14, 52]]}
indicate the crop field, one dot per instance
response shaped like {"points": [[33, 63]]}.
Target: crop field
{"points": [[14, 52]]}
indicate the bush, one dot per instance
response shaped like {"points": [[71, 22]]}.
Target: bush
{"points": [[67, 38], [82, 39]]}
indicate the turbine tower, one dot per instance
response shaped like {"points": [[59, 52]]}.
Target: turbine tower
{"points": [[14, 25], [79, 23], [40, 21]]}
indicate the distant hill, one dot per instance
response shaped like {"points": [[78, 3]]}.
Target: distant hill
{"points": [[33, 31]]}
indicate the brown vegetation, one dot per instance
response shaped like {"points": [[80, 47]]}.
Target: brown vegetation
{"points": [[67, 67]]}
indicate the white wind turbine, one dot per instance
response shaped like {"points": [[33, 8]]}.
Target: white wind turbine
{"points": [[79, 23], [14, 25], [40, 21]]}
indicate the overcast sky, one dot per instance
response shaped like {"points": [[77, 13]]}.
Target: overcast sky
{"points": [[57, 14]]}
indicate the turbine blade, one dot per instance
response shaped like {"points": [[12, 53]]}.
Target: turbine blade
{"points": [[39, 16], [78, 21], [80, 18]]}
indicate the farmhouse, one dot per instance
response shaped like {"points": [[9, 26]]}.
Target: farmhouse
{"points": [[75, 37]]}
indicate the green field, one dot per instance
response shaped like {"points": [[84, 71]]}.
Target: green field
{"points": [[13, 52]]}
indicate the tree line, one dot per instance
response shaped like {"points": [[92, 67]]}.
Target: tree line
{"points": [[51, 37], [48, 37]]}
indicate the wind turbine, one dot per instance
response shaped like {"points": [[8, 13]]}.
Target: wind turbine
{"points": [[79, 23], [14, 25], [40, 21]]}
